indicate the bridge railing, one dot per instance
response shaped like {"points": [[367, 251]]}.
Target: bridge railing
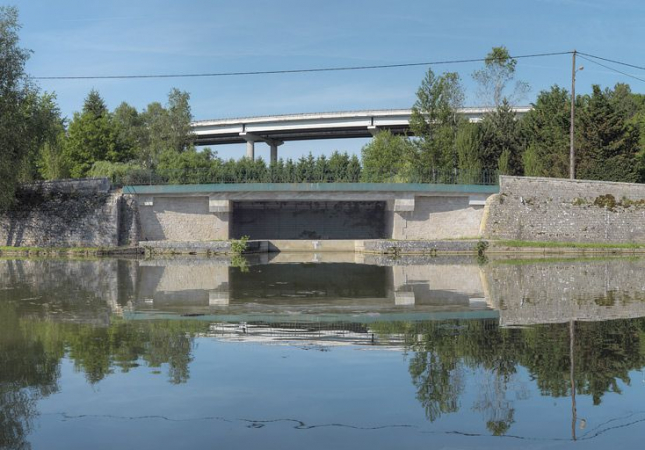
{"points": [[214, 176]]}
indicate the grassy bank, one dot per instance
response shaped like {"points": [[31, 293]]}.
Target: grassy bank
{"points": [[581, 245]]}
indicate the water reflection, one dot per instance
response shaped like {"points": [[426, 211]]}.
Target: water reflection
{"points": [[486, 342]]}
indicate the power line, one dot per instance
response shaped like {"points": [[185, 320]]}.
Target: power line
{"points": [[291, 71], [634, 66], [612, 68]]}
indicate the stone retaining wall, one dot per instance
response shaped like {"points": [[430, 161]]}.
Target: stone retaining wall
{"points": [[548, 209], [76, 213]]}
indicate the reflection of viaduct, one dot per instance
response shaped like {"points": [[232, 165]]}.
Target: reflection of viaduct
{"points": [[275, 130]]}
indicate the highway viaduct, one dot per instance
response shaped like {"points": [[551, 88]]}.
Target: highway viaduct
{"points": [[275, 130]]}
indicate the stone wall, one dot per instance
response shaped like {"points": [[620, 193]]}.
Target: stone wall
{"points": [[75, 213], [547, 209]]}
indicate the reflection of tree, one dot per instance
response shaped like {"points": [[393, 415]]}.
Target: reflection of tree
{"points": [[604, 353], [439, 382], [28, 372], [97, 351], [497, 410], [31, 351]]}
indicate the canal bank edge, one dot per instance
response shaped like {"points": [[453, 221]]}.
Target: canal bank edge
{"points": [[528, 215]]}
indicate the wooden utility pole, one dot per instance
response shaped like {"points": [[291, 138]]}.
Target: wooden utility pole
{"points": [[572, 151]]}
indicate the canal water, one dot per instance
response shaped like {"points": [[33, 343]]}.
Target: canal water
{"points": [[322, 351]]}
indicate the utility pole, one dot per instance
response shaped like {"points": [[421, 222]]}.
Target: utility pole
{"points": [[572, 151]]}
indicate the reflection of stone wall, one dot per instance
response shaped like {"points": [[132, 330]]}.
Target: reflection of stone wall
{"points": [[68, 290], [546, 209], [546, 292]]}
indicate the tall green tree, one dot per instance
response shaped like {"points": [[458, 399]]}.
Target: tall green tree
{"points": [[435, 121], [386, 158], [501, 145], [16, 101], [607, 143], [468, 143], [545, 129], [91, 137]]}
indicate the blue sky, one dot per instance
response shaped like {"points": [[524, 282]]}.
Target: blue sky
{"points": [[112, 37]]}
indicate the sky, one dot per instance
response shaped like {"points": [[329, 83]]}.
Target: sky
{"points": [[134, 37]]}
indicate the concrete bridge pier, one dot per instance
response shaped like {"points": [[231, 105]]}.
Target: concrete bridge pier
{"points": [[250, 149], [274, 144]]}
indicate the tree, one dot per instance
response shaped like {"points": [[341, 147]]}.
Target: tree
{"points": [[166, 128], [435, 121], [545, 128], [91, 137], [15, 91], [607, 143], [501, 141], [129, 129], [493, 79], [385, 158], [468, 143]]}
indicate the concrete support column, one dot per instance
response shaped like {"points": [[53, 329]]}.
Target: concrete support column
{"points": [[274, 144], [250, 149]]}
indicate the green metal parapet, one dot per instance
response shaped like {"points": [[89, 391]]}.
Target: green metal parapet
{"points": [[179, 189]]}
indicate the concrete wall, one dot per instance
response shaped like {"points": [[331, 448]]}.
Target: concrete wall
{"points": [[438, 217], [547, 209], [62, 214], [181, 219]]}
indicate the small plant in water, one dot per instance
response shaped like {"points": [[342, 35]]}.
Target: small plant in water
{"points": [[238, 246], [481, 247], [240, 262]]}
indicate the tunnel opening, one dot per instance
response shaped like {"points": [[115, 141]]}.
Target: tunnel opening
{"points": [[303, 220]]}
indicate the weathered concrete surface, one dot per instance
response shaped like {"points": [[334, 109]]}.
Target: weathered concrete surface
{"points": [[547, 209], [181, 219], [315, 245], [202, 247], [310, 211], [438, 218]]}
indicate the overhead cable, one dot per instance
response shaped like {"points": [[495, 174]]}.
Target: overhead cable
{"points": [[287, 71]]}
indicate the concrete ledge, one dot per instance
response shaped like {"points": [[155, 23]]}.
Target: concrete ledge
{"points": [[418, 247], [331, 245]]}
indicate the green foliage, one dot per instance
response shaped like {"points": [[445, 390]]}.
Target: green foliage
{"points": [[501, 141], [435, 122], [607, 143], [27, 119], [386, 158], [546, 131], [238, 246]]}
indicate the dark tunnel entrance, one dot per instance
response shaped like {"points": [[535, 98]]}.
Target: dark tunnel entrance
{"points": [[309, 220]]}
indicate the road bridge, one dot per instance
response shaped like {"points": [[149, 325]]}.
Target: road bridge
{"points": [[275, 130]]}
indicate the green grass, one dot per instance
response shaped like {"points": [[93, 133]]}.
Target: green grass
{"points": [[533, 261], [538, 244]]}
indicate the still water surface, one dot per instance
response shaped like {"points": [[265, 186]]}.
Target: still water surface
{"points": [[322, 351]]}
